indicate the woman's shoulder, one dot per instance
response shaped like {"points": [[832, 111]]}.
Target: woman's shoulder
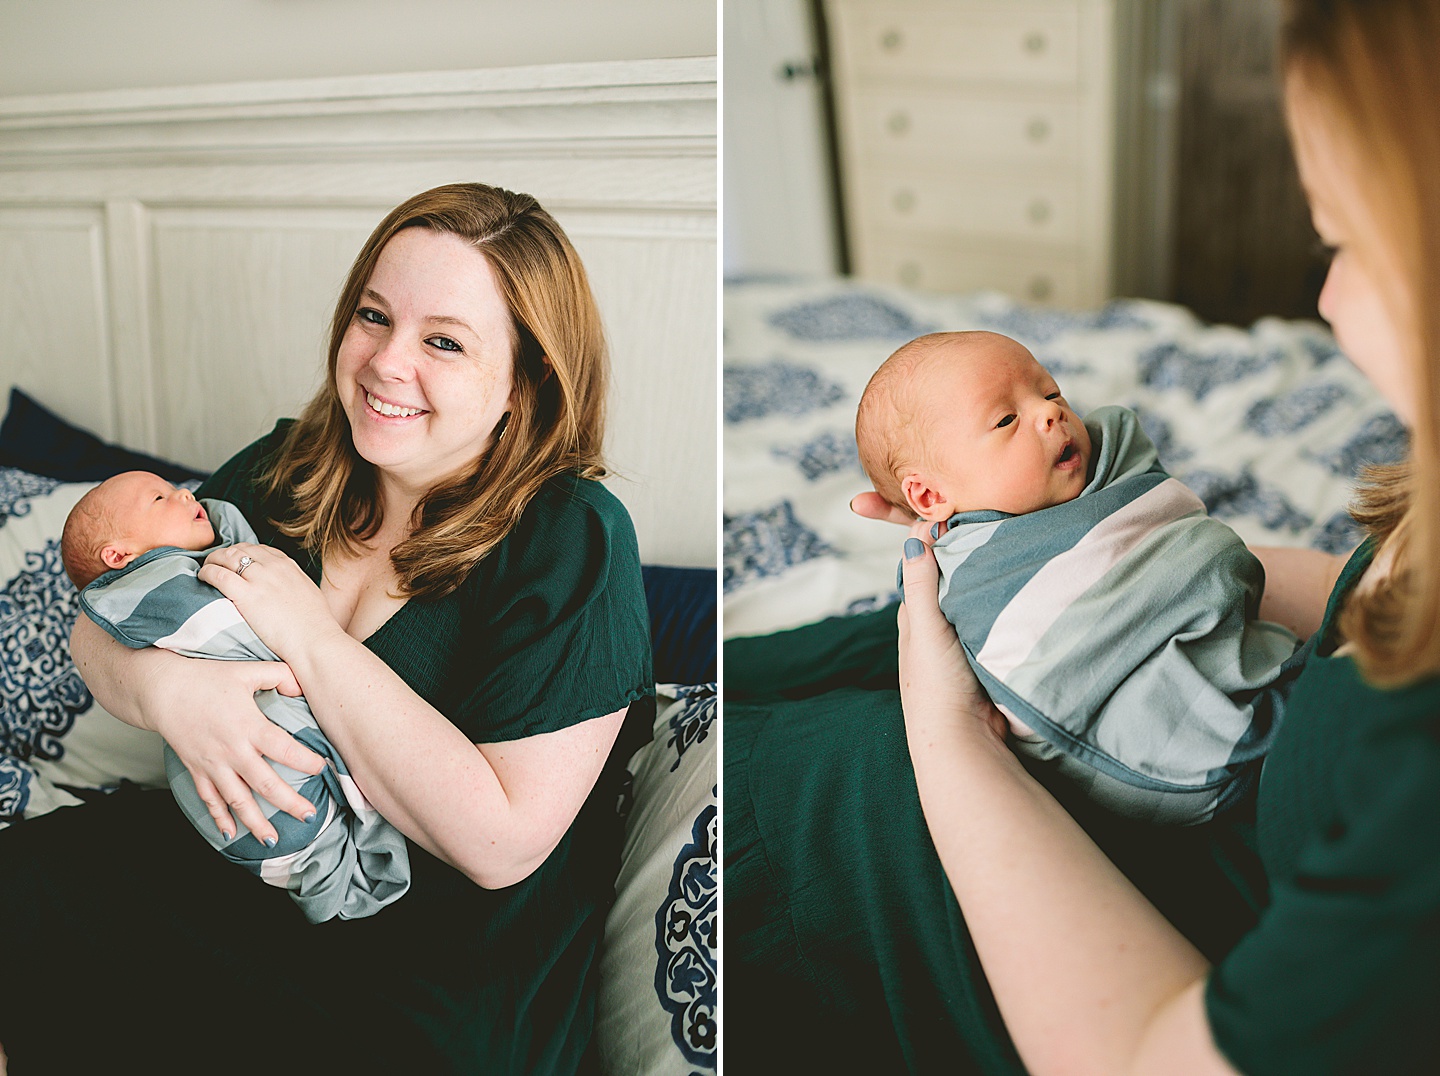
{"points": [[581, 510], [234, 479], [568, 496]]}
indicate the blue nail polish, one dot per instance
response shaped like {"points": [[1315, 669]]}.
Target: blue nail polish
{"points": [[310, 817], [271, 842], [227, 834], [913, 548], [935, 531]]}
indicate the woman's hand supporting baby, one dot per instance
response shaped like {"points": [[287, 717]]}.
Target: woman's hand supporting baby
{"points": [[206, 712], [278, 600]]}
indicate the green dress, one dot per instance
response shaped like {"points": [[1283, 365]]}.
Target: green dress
{"points": [[1343, 974], [846, 950], [549, 629]]}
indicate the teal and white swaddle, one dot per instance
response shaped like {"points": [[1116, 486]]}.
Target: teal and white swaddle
{"points": [[1120, 628], [348, 861]]}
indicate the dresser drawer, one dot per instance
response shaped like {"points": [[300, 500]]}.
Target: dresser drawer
{"points": [[1034, 41], [947, 127], [1051, 278], [1018, 206]]}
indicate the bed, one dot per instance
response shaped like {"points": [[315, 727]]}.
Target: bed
{"points": [[845, 949], [1269, 425], [58, 749]]}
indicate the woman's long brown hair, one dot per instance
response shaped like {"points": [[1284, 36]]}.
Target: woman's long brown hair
{"points": [[555, 424], [1373, 68]]}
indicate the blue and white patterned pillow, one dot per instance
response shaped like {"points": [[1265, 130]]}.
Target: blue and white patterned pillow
{"points": [[658, 961], [54, 740]]}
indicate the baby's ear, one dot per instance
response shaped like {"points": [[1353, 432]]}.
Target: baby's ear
{"points": [[924, 500], [115, 556]]}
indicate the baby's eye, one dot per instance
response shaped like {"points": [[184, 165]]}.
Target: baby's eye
{"points": [[1005, 421], [372, 316], [1053, 396], [158, 497], [444, 343]]}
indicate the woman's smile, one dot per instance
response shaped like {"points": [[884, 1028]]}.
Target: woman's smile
{"points": [[383, 409]]}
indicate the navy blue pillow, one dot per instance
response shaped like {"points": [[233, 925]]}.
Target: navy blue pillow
{"points": [[682, 623], [35, 439]]}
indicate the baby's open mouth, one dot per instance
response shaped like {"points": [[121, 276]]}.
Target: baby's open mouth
{"points": [[1069, 456], [1066, 453]]}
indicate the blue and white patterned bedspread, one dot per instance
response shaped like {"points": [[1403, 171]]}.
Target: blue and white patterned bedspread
{"points": [[1268, 425]]}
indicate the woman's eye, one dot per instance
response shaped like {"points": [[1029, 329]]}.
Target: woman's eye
{"points": [[444, 343], [1005, 421], [372, 316], [1324, 252]]}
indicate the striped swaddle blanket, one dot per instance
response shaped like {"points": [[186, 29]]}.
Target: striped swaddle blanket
{"points": [[348, 861], [1117, 632]]}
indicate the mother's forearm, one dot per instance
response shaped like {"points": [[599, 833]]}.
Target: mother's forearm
{"points": [[1088, 976], [418, 770], [115, 674]]}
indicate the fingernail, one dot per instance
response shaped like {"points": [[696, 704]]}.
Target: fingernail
{"points": [[935, 530], [913, 548], [271, 842], [310, 817], [226, 834]]}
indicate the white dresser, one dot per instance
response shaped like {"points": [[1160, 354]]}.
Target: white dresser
{"points": [[976, 143]]}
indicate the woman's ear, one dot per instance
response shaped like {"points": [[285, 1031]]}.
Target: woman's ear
{"points": [[924, 500]]}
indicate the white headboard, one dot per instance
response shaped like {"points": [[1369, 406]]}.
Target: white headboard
{"points": [[169, 258]]}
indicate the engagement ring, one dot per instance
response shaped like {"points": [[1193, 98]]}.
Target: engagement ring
{"points": [[245, 562]]}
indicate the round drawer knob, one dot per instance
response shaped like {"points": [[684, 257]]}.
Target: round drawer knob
{"points": [[898, 123], [1035, 42], [891, 40], [909, 273], [1038, 129], [903, 201], [1040, 288], [1038, 211]]}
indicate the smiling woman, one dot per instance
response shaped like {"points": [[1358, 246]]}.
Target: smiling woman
{"points": [[461, 604]]}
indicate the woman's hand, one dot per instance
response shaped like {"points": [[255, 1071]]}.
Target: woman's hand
{"points": [[206, 711], [936, 681], [225, 742], [274, 595]]}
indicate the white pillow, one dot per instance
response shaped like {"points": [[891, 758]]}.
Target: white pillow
{"points": [[656, 1009], [53, 736]]}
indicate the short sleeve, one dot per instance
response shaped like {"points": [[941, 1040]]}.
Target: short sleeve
{"points": [[553, 623], [1340, 976]]}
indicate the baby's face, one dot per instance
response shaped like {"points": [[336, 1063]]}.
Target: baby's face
{"points": [[998, 435], [149, 512]]}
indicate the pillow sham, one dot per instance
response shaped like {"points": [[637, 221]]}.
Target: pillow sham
{"points": [[658, 959], [56, 742]]}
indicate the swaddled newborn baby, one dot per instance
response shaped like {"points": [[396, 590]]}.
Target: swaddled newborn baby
{"points": [[1110, 619], [133, 545]]}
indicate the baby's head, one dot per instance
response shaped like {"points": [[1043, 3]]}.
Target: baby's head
{"points": [[125, 516], [955, 422]]}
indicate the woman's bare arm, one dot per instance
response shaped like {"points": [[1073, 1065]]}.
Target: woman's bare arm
{"points": [[1089, 977], [1298, 583], [157, 690], [493, 811]]}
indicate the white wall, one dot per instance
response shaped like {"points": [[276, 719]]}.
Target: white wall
{"points": [[59, 46]]}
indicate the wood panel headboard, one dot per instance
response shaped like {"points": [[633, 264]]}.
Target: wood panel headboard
{"points": [[169, 258]]}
